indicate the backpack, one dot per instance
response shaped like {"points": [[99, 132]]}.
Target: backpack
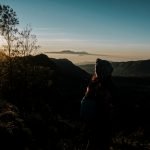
{"points": [[95, 103], [88, 109]]}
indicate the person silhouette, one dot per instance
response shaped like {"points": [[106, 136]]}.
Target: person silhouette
{"points": [[98, 97]]}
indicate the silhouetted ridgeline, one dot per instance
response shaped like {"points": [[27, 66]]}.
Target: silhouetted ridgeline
{"points": [[46, 78], [126, 69]]}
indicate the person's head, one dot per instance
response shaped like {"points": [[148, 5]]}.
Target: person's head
{"points": [[103, 69]]}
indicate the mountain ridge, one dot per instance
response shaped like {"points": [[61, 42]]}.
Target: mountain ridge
{"points": [[140, 68], [69, 52]]}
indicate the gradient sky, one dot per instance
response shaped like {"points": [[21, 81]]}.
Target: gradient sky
{"points": [[119, 27]]}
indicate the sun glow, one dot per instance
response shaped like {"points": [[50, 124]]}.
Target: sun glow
{"points": [[2, 41]]}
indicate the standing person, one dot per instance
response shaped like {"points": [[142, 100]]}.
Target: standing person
{"points": [[96, 106]]}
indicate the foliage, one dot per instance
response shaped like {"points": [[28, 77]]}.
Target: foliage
{"points": [[27, 42], [8, 22], [18, 44]]}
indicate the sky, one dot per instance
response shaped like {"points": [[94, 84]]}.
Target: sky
{"points": [[114, 27]]}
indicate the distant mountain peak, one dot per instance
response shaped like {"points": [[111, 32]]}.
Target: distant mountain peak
{"points": [[70, 52]]}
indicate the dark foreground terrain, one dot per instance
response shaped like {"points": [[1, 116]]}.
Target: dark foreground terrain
{"points": [[40, 107]]}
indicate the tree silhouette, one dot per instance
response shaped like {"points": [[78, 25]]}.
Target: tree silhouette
{"points": [[27, 42], [8, 22], [18, 43]]}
